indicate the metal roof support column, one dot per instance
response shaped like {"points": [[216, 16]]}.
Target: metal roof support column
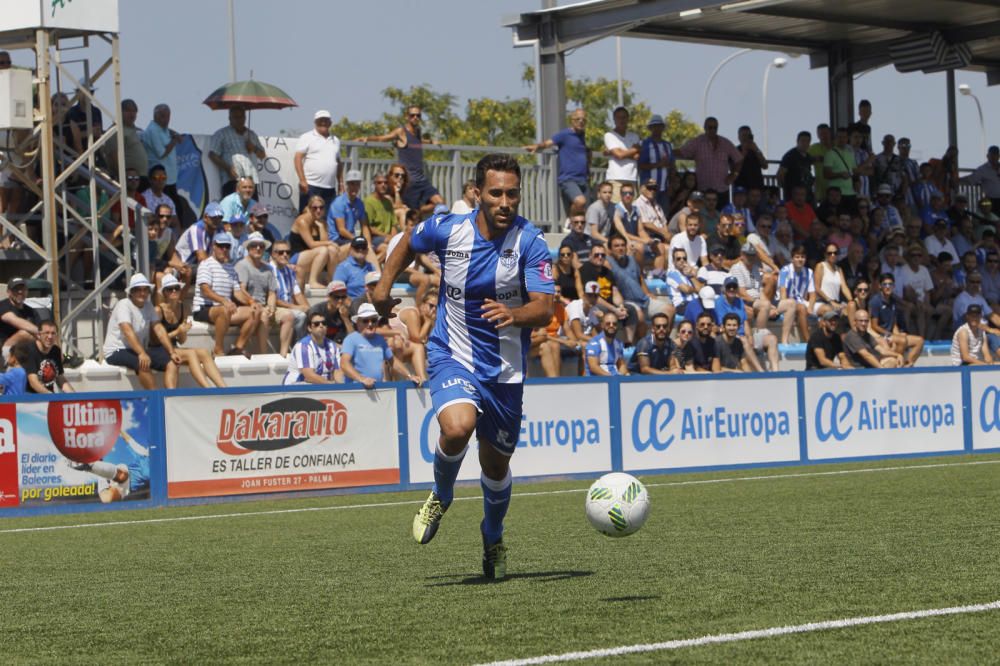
{"points": [[952, 118], [551, 80], [840, 77]]}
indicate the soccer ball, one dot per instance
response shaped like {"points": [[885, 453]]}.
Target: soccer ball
{"points": [[617, 504]]}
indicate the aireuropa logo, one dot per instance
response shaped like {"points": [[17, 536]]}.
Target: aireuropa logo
{"points": [[838, 415], [653, 424], [989, 409], [279, 424], [571, 434]]}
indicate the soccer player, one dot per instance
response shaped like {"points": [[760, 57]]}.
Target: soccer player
{"points": [[496, 285]]}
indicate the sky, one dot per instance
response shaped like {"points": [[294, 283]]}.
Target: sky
{"points": [[340, 56]]}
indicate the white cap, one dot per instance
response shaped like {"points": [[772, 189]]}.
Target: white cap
{"points": [[136, 281], [366, 311], [591, 288], [256, 237], [322, 113], [707, 296], [372, 277], [353, 176]]}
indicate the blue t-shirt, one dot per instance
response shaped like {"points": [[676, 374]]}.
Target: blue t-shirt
{"points": [[353, 275], [351, 211], [473, 269], [13, 382], [572, 155], [607, 354], [367, 354], [724, 307]]}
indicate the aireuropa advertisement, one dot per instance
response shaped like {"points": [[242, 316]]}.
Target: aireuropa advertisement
{"points": [[235, 444], [707, 423], [74, 451], [565, 429]]}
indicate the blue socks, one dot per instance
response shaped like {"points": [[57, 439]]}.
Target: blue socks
{"points": [[496, 500], [445, 472]]}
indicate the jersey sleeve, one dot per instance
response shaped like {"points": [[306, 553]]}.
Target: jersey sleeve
{"points": [[425, 235], [594, 348], [538, 267]]}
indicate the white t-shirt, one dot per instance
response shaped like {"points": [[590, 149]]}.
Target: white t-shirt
{"points": [[321, 156], [621, 169], [126, 312], [695, 248], [920, 279], [574, 310]]}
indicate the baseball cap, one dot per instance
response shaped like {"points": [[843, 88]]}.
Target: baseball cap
{"points": [[884, 188], [372, 277], [21, 282], [237, 219], [994, 149], [366, 311], [748, 248], [336, 285], [353, 176], [655, 119], [224, 238], [322, 113], [259, 210], [136, 281], [591, 288], [739, 189], [707, 296], [359, 242], [974, 308], [696, 195], [730, 281], [716, 249], [213, 209], [830, 315]]}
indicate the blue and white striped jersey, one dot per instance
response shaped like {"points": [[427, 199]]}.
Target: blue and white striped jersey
{"points": [[323, 358], [798, 283], [474, 269], [606, 353]]}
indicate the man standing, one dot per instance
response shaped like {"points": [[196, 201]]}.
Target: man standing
{"points": [[601, 214], [889, 167], [796, 166], [317, 162], [605, 354], [987, 176], [231, 149], [44, 365], [621, 147], [161, 142], [818, 152], [839, 167], [574, 160], [716, 160], [751, 175], [135, 152], [496, 279], [656, 160]]}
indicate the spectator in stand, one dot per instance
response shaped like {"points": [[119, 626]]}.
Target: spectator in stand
{"points": [[382, 222], [796, 166], [352, 270], [18, 320], [987, 176], [938, 241], [312, 251], [577, 239], [691, 242], [551, 343], [832, 205], [715, 272], [621, 147], [237, 205], [866, 165], [126, 342], [395, 331], [260, 284], [14, 381], [318, 163], [727, 238], [469, 201], [574, 160], [825, 349], [135, 152], [911, 171], [780, 245], [716, 160], [398, 181], [964, 239], [972, 294], [695, 202], [656, 160], [750, 278], [315, 358], [346, 219], [419, 320], [605, 355], [945, 289], [220, 301], [800, 213], [44, 363], [753, 163], [840, 235], [582, 315], [969, 345], [925, 187], [739, 206], [883, 200], [418, 194], [259, 215], [609, 298], [81, 132], [680, 190], [985, 215], [176, 325], [710, 213], [424, 272], [231, 149], [889, 169], [887, 320], [336, 312], [798, 296], [601, 214], [917, 286], [655, 353], [156, 194], [729, 346], [865, 351], [760, 238], [366, 357], [290, 300], [704, 301], [959, 209], [651, 215], [237, 228], [840, 167], [680, 280], [161, 144], [831, 290], [991, 278], [703, 344], [853, 265], [818, 151], [193, 245], [683, 359], [759, 340], [632, 286], [627, 226], [861, 125]]}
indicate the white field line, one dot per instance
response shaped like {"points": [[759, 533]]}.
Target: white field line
{"points": [[375, 505], [748, 635]]}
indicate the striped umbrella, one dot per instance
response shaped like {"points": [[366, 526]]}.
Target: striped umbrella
{"points": [[250, 95]]}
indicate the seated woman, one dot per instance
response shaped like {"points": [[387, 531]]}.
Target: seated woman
{"points": [[171, 312], [315, 359], [312, 251]]}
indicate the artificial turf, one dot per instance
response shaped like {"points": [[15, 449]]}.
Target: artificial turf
{"points": [[350, 586]]}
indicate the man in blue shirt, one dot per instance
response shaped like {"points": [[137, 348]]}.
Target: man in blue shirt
{"points": [[352, 271], [605, 353], [347, 213], [574, 160], [496, 286], [365, 356]]}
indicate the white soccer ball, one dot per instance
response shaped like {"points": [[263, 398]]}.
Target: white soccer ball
{"points": [[617, 504]]}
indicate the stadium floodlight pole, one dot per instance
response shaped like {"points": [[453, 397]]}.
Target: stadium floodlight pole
{"points": [[777, 63], [618, 57], [715, 72], [966, 90], [232, 42]]}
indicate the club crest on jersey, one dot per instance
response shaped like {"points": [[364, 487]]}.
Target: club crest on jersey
{"points": [[508, 258]]}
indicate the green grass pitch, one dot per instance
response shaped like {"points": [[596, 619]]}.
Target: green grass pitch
{"points": [[350, 586]]}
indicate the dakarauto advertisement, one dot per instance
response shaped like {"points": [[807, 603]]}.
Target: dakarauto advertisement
{"points": [[74, 451], [234, 444]]}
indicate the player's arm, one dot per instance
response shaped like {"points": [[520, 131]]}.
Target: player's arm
{"points": [[536, 312], [351, 373], [64, 384], [401, 257], [594, 363], [313, 377], [622, 366]]}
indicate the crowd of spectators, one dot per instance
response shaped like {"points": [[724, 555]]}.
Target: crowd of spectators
{"points": [[862, 255]]}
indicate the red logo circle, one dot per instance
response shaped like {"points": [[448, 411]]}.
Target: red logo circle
{"points": [[86, 430]]}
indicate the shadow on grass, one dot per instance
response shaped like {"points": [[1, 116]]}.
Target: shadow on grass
{"points": [[542, 576], [634, 597]]}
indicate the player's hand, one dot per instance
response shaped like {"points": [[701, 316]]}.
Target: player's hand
{"points": [[417, 381], [497, 314], [144, 362], [384, 306]]}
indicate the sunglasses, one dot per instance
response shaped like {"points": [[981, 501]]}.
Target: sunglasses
{"points": [[862, 290], [565, 254], [223, 245], [369, 320], [316, 207], [830, 253], [338, 297], [169, 289], [413, 115], [628, 194], [317, 323], [888, 284], [660, 327], [398, 174], [599, 255], [686, 331], [281, 252]]}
